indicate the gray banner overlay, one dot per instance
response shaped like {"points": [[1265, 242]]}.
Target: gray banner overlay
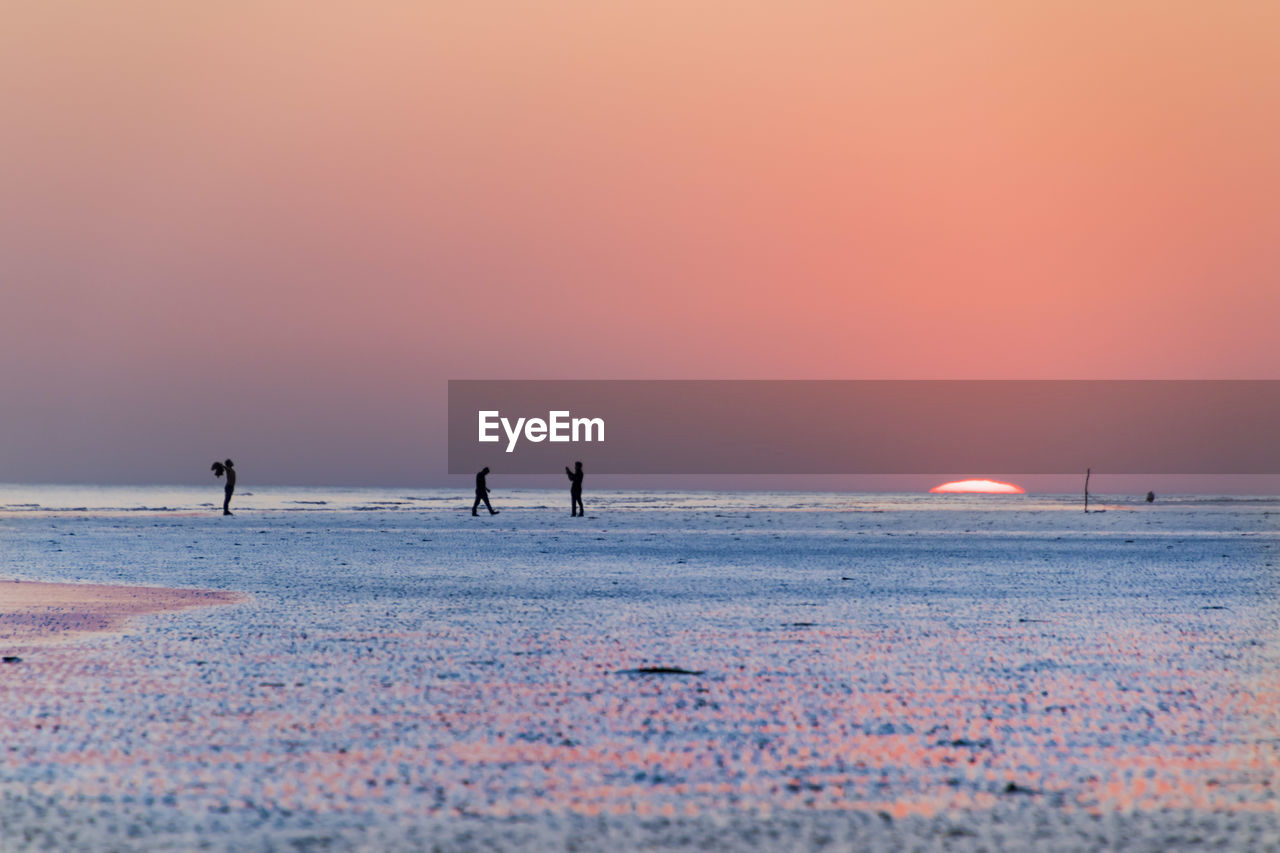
{"points": [[944, 427]]}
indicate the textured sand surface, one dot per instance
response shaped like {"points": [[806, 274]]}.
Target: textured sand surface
{"points": [[32, 612], [869, 674]]}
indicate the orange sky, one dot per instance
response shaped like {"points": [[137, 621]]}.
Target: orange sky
{"points": [[273, 230]]}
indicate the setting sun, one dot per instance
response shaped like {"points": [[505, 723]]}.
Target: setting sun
{"points": [[979, 487]]}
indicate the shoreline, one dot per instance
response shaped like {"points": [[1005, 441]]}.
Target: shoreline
{"points": [[38, 613]]}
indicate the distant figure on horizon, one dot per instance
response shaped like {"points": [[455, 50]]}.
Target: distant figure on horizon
{"points": [[575, 490], [482, 493], [228, 468], [1151, 497]]}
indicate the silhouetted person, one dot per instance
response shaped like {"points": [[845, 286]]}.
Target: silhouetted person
{"points": [[1151, 497], [228, 468], [575, 490], [482, 493]]}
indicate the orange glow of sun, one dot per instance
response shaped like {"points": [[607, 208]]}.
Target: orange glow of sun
{"points": [[978, 487]]}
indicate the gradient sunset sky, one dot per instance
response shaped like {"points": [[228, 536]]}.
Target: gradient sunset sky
{"points": [[272, 231]]}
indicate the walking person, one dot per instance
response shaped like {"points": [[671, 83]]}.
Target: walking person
{"points": [[228, 468], [482, 493], [575, 490]]}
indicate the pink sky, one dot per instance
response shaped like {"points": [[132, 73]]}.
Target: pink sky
{"points": [[274, 230]]}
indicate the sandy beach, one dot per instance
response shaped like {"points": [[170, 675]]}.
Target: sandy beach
{"points": [[676, 671]]}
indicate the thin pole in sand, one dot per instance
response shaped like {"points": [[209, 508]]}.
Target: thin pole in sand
{"points": [[1087, 472]]}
